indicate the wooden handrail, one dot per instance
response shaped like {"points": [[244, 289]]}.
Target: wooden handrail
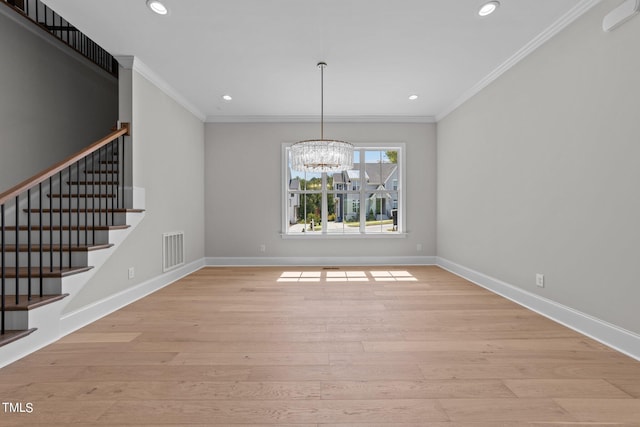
{"points": [[47, 173]]}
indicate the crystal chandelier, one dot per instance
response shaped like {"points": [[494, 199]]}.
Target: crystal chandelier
{"points": [[321, 155]]}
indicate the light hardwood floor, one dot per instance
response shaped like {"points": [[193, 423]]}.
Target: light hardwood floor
{"points": [[412, 346]]}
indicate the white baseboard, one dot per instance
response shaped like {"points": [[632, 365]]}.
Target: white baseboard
{"points": [[75, 320], [52, 325], [608, 334], [317, 261]]}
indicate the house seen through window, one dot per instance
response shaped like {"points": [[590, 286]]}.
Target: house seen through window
{"points": [[366, 199]]}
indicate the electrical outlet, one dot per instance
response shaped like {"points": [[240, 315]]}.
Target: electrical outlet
{"points": [[419, 247], [262, 248], [132, 272], [540, 280]]}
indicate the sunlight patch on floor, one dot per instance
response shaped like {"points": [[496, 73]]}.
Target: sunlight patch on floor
{"points": [[347, 276], [300, 276], [392, 276]]}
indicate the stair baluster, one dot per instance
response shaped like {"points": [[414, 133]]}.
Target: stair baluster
{"points": [[40, 241], [50, 229], [48, 20], [2, 271], [86, 215], [29, 247], [17, 251], [60, 261], [18, 258]]}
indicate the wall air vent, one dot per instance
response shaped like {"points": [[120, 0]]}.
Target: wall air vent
{"points": [[172, 250]]}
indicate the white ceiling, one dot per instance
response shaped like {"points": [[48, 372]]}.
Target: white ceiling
{"points": [[264, 52]]}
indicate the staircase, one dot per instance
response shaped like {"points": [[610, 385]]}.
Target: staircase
{"points": [[56, 228]]}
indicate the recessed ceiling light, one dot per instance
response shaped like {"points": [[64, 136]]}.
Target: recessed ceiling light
{"points": [[413, 97], [157, 7], [488, 8], [227, 97]]}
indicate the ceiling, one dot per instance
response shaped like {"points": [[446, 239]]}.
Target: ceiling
{"points": [[264, 52]]}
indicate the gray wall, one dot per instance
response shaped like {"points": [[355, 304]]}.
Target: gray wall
{"points": [[539, 173], [168, 164], [243, 190], [51, 105]]}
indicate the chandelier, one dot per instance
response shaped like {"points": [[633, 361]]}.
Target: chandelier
{"points": [[321, 155]]}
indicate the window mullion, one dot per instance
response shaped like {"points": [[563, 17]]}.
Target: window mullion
{"points": [[325, 205], [361, 193]]}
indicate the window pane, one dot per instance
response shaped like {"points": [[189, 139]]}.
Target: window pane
{"points": [[391, 156], [356, 157], [304, 212], [312, 182], [351, 209], [381, 169], [312, 205], [333, 177], [381, 193], [342, 217], [380, 212], [293, 214], [334, 204]]}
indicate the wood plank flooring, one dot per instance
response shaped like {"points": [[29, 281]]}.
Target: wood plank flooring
{"points": [[356, 346]]}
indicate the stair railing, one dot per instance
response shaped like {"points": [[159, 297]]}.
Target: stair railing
{"points": [[103, 165], [47, 19]]}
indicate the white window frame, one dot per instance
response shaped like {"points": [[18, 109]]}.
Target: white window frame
{"points": [[401, 191]]}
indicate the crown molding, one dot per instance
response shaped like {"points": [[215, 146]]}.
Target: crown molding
{"points": [[316, 119], [125, 61], [133, 63], [564, 21]]}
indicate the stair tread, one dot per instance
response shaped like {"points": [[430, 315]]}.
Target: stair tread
{"points": [[66, 227], [10, 272], [122, 210], [93, 183], [82, 195], [25, 304], [65, 248], [11, 336]]}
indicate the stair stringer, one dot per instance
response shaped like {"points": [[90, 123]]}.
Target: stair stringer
{"points": [[47, 319]]}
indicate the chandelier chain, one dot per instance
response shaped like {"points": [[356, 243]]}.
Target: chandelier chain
{"points": [[321, 65], [321, 155]]}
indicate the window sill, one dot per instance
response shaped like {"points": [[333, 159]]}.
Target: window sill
{"points": [[336, 236]]}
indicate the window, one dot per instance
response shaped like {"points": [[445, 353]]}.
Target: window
{"points": [[366, 200]]}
